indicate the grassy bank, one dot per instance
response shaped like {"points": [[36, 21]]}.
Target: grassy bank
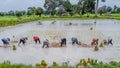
{"points": [[13, 20], [90, 63]]}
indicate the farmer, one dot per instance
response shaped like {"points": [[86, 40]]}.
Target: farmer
{"points": [[63, 41], [36, 39], [23, 40], [110, 41], [5, 41], [46, 42], [74, 40], [95, 41]]}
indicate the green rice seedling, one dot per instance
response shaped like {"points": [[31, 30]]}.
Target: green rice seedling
{"points": [[101, 44], [96, 48], [14, 47], [84, 62], [91, 28], [91, 61], [88, 61], [70, 23], [54, 64], [43, 63], [40, 23]]}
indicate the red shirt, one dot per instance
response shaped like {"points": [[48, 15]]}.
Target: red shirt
{"points": [[95, 39], [36, 38]]}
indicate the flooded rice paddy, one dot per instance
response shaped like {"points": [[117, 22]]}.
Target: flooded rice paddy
{"points": [[33, 53]]}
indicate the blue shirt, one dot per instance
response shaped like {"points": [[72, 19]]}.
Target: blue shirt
{"points": [[6, 39], [74, 39]]}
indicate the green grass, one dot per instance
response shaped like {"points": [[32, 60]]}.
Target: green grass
{"points": [[13, 20], [81, 64]]}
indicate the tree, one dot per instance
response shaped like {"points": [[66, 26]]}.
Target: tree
{"points": [[31, 10], [60, 9], [86, 6], [80, 6], [3, 13], [102, 9], [18, 13], [76, 9], [96, 8], [109, 9], [67, 5], [118, 10], [11, 13], [71, 13], [50, 5], [114, 9], [89, 4], [23, 12], [53, 12], [38, 11]]}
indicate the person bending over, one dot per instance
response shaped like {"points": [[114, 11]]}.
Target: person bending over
{"points": [[22, 40], [5, 41], [95, 41], [46, 43], [110, 41], [63, 41], [74, 40], [36, 39]]}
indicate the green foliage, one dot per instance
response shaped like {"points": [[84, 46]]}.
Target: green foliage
{"points": [[109, 9], [13, 20], [38, 11], [92, 61], [89, 5], [11, 13], [55, 64], [71, 13], [84, 62], [18, 13], [53, 12], [43, 63], [113, 63], [31, 10], [50, 5], [81, 64], [67, 5], [88, 61]]}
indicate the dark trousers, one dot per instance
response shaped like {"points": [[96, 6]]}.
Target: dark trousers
{"points": [[5, 42], [22, 41], [110, 42], [63, 43], [37, 41], [73, 42], [45, 44]]}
